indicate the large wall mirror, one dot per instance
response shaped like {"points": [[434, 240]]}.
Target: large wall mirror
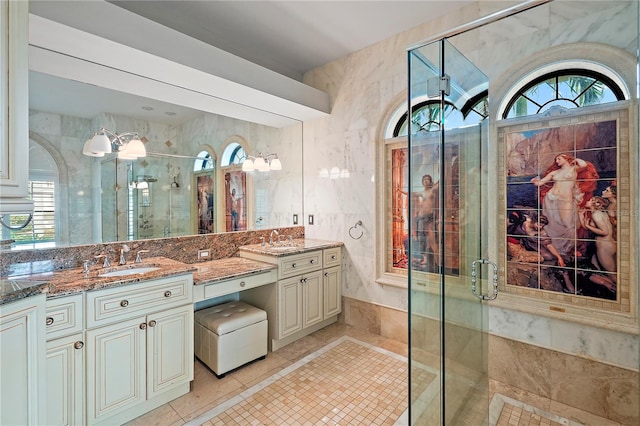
{"points": [[177, 189]]}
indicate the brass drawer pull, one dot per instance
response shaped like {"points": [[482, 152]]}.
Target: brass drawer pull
{"points": [[50, 320], [242, 283], [334, 257], [124, 303], [167, 293], [78, 344], [152, 323], [312, 261], [293, 265], [143, 326]]}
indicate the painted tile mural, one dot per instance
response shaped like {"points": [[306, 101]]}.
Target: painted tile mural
{"points": [[561, 209]]}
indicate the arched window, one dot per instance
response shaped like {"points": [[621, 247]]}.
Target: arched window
{"points": [[561, 90], [203, 170], [233, 154], [426, 115]]}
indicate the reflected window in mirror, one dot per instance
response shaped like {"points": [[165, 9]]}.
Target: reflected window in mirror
{"points": [[204, 174], [40, 231], [235, 187]]}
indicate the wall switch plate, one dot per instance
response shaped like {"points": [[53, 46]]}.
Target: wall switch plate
{"points": [[295, 219], [310, 219], [203, 254]]}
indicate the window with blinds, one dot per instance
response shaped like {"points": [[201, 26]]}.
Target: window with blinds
{"points": [[42, 227]]}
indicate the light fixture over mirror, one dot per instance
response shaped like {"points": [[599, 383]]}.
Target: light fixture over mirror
{"points": [[128, 145], [261, 163]]}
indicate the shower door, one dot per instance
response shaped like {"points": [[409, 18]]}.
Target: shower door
{"points": [[450, 279]]}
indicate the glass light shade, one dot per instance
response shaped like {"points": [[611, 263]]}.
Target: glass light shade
{"points": [[260, 164], [100, 143], [136, 148], [247, 165], [86, 150], [275, 164], [124, 155]]}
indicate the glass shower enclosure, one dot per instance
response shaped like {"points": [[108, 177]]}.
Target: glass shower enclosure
{"points": [[450, 277]]}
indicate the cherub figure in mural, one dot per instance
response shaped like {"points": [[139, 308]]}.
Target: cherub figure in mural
{"points": [[536, 239], [426, 221], [598, 221], [610, 193], [565, 187]]}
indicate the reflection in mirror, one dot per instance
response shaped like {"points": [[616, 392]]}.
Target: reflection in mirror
{"points": [[101, 199]]}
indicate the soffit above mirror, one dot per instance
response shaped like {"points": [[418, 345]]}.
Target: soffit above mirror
{"points": [[219, 82]]}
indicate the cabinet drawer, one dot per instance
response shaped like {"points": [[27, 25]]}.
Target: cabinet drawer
{"points": [[117, 304], [64, 316], [238, 284], [332, 257], [300, 264]]}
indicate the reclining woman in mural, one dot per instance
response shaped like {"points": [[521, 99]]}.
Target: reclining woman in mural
{"points": [[565, 187], [598, 221], [529, 230]]}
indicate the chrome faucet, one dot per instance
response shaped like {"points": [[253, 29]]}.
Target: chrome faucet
{"points": [[85, 268], [138, 257], [123, 250], [106, 262], [271, 236]]}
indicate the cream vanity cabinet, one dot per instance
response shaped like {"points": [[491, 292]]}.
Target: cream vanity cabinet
{"points": [[65, 360], [14, 107], [307, 297], [22, 362], [139, 344]]}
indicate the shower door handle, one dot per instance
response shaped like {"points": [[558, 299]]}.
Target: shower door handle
{"points": [[474, 277]]}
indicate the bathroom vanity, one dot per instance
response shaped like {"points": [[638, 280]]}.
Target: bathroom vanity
{"points": [[106, 345]]}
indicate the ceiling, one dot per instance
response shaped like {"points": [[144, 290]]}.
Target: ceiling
{"points": [[291, 37], [288, 37]]}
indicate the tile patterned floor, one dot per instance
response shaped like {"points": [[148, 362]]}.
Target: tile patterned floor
{"points": [[211, 400]]}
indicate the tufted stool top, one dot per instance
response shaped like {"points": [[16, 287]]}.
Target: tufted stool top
{"points": [[228, 317]]}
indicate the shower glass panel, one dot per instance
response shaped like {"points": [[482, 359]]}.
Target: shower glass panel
{"points": [[449, 276]]}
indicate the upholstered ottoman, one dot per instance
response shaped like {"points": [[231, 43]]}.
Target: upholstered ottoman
{"points": [[230, 335]]}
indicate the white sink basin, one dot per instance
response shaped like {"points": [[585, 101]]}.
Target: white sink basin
{"points": [[282, 248], [132, 271]]}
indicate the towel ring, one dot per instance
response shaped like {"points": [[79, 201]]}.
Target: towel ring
{"points": [[16, 228], [353, 228]]}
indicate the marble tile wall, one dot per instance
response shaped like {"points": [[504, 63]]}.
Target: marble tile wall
{"points": [[367, 86], [544, 378]]}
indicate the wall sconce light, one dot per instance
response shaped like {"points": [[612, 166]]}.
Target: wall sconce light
{"points": [[128, 145], [261, 163]]}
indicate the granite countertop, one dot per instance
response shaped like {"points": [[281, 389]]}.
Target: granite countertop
{"points": [[285, 249], [12, 290], [70, 281], [223, 269]]}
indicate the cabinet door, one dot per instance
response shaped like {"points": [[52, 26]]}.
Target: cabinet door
{"points": [[290, 309], [312, 299], [332, 291], [169, 349], [22, 362], [115, 368], [65, 380], [14, 105]]}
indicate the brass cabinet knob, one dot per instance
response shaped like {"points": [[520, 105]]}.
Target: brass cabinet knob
{"points": [[78, 345], [167, 293], [50, 320], [334, 257], [242, 283], [124, 303], [152, 323], [293, 265], [143, 326]]}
